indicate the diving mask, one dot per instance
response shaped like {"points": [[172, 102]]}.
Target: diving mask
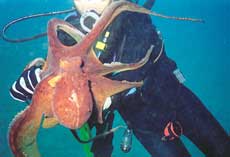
{"points": [[88, 19], [90, 11]]}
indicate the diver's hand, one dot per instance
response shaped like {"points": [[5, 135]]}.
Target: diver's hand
{"points": [[23, 88]]}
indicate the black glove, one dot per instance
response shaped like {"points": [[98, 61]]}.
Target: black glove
{"points": [[23, 88]]}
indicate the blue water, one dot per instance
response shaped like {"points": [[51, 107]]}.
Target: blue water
{"points": [[202, 51]]}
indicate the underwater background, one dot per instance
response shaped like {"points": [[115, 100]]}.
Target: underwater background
{"points": [[202, 52]]}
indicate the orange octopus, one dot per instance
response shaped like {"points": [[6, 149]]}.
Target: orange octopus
{"points": [[72, 82]]}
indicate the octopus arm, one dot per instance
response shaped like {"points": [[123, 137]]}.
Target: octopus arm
{"points": [[108, 88]]}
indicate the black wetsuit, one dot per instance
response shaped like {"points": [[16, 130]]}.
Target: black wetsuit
{"points": [[162, 98]]}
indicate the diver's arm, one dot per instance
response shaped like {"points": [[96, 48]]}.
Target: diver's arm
{"points": [[23, 88]]}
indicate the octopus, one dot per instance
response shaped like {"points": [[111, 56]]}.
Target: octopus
{"points": [[72, 83]]}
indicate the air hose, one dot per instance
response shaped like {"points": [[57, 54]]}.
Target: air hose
{"points": [[8, 25]]}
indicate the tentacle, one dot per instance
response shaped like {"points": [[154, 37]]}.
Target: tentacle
{"points": [[72, 31], [24, 129], [23, 132], [49, 122], [103, 87], [58, 50], [119, 67]]}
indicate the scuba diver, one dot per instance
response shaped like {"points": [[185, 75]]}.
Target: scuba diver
{"points": [[162, 109]]}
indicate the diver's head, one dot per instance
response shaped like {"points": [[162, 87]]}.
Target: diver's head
{"points": [[96, 5]]}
